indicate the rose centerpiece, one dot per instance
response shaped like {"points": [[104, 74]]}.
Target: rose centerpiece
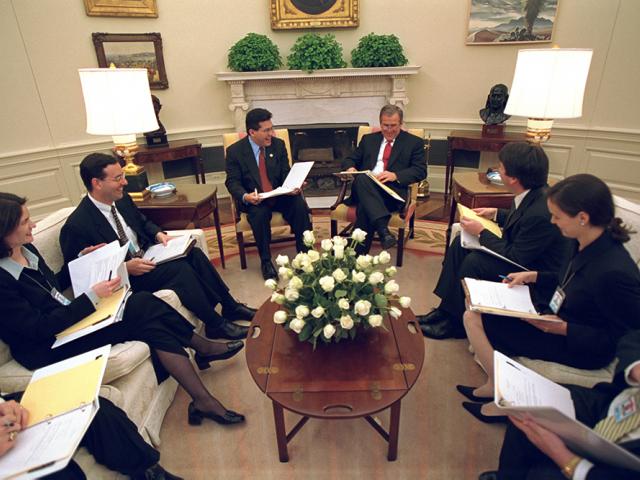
{"points": [[328, 295]]}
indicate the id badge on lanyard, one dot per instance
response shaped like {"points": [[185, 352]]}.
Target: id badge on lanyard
{"points": [[59, 297], [557, 300]]}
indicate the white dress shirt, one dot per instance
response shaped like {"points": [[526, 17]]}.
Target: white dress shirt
{"points": [[106, 211]]}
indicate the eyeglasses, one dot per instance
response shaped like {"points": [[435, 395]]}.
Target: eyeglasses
{"points": [[117, 178]]}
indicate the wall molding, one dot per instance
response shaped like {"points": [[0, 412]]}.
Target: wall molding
{"points": [[572, 149]]}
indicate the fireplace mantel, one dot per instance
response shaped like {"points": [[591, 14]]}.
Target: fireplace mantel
{"points": [[325, 92]]}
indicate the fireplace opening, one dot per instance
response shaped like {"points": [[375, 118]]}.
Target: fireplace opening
{"points": [[327, 145]]}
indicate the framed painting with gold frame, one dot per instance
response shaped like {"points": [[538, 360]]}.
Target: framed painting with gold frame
{"points": [[133, 50], [121, 8], [292, 14]]}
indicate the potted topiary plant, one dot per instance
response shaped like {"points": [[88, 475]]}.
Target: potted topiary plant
{"points": [[378, 51], [254, 52], [315, 52]]}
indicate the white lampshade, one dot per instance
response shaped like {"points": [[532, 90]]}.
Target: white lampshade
{"points": [[117, 101], [549, 83]]}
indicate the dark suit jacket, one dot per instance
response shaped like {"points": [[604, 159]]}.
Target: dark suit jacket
{"points": [[594, 404], [528, 236], [31, 316], [407, 159], [87, 226], [243, 175], [602, 299]]}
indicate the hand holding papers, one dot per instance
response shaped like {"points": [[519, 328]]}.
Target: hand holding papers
{"points": [[500, 299], [177, 247], [490, 225], [62, 400], [522, 392], [101, 264], [294, 180]]}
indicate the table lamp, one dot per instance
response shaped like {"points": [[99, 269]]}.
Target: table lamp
{"points": [[548, 84], [118, 103]]}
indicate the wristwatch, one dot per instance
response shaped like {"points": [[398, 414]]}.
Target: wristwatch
{"points": [[570, 468]]}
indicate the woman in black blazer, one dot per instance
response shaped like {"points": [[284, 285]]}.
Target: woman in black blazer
{"points": [[597, 296], [34, 311]]}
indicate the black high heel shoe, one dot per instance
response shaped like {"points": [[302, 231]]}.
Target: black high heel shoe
{"points": [[229, 418], [475, 409], [232, 348], [468, 392]]}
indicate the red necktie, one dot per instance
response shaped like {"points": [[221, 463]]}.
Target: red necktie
{"points": [[262, 166], [386, 154]]}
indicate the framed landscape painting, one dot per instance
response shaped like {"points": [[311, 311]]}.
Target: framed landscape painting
{"points": [[500, 22], [133, 50]]}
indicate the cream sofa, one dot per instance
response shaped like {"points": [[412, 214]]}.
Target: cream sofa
{"points": [[129, 380], [629, 212]]}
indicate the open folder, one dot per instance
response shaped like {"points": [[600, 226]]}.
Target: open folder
{"points": [[108, 311], [522, 392], [499, 299], [62, 400], [296, 177], [372, 176], [177, 247]]}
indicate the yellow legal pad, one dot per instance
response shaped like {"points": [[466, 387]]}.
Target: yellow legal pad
{"points": [[62, 392], [106, 307], [486, 223]]}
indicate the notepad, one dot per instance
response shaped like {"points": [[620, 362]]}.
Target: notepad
{"points": [[178, 247], [295, 179], [490, 225]]}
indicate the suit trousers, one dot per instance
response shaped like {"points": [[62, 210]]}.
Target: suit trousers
{"points": [[295, 212], [196, 282], [114, 441], [459, 263], [520, 459], [372, 204], [146, 318]]}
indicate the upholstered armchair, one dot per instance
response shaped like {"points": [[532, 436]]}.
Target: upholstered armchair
{"points": [[242, 225], [402, 221]]}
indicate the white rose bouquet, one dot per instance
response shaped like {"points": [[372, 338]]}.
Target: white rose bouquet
{"points": [[328, 295]]}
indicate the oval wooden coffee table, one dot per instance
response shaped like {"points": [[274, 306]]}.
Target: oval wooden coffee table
{"points": [[351, 379]]}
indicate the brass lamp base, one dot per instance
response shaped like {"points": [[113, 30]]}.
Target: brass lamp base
{"points": [[137, 181]]}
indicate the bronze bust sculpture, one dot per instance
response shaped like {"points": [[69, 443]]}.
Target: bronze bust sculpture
{"points": [[157, 138], [493, 111]]}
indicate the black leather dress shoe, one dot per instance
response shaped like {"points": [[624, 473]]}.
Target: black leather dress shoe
{"points": [[240, 311], [228, 330], [268, 270], [468, 392], [232, 348], [156, 473], [387, 239], [229, 418], [491, 475], [434, 316], [442, 330], [475, 410]]}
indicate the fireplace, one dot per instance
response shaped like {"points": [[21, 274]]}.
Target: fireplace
{"points": [[327, 145]]}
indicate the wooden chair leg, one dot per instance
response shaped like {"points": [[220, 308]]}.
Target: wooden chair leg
{"points": [[400, 253], [243, 255], [334, 228]]}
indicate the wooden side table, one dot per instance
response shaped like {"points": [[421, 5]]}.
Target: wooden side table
{"points": [[383, 365], [471, 192], [177, 150], [475, 142], [191, 204]]}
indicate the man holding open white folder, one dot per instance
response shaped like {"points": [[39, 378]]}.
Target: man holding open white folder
{"points": [[532, 452]]}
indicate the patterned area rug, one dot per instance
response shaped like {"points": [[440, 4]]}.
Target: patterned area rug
{"points": [[429, 237]]}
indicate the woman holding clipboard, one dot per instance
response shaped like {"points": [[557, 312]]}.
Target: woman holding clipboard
{"points": [[596, 300]]}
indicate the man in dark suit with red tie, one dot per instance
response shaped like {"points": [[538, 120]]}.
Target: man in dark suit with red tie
{"points": [[397, 159], [259, 163]]}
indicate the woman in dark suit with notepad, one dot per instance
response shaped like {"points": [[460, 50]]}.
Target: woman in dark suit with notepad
{"points": [[597, 296], [34, 311]]}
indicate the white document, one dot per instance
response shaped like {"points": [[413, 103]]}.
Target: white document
{"points": [[175, 248], [101, 264], [522, 392], [296, 177], [483, 293], [47, 446], [472, 242]]}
